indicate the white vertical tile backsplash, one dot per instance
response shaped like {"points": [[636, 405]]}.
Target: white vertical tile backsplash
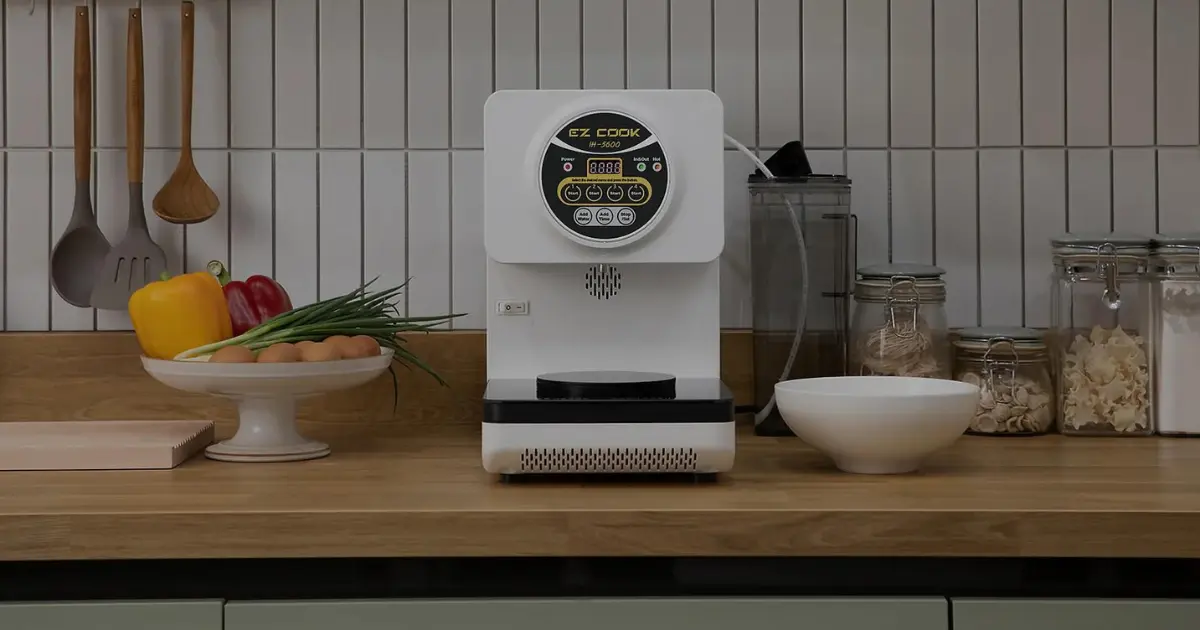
{"points": [[1178, 74], [429, 74], [27, 86], [1045, 215], [385, 73], [1043, 33], [603, 44], [296, 238], [430, 245], [339, 224], [296, 67], [344, 136], [867, 70], [1087, 73], [912, 205], [340, 74], [911, 79], [1001, 263], [27, 229], [956, 245], [779, 73], [824, 49], [647, 51], [999, 59]]}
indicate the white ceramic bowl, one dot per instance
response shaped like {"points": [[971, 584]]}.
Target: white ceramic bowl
{"points": [[877, 424]]}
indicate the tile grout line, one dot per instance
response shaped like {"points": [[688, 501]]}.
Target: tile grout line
{"points": [[229, 209], [50, 163], [451, 7], [317, 158], [274, 139], [4, 324], [408, 143], [933, 218], [978, 184], [362, 142], [1021, 153]]}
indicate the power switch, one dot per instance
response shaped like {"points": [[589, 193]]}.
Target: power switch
{"points": [[512, 307]]}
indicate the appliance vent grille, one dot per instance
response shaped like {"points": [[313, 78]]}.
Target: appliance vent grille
{"points": [[602, 281], [608, 460]]}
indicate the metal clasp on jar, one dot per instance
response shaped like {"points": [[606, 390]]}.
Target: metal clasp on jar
{"points": [[1108, 270], [992, 365], [913, 301]]}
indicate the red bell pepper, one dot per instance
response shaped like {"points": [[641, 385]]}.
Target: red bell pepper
{"points": [[251, 301]]}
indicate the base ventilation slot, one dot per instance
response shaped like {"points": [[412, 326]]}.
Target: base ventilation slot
{"points": [[608, 460]]}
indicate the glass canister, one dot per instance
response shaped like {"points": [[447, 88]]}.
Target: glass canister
{"points": [[1011, 367], [1103, 332], [899, 325], [1175, 268]]}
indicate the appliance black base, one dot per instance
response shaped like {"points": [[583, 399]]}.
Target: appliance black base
{"points": [[696, 401]]}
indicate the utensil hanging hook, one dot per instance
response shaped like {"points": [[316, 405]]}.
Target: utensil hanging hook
{"points": [[32, 6]]}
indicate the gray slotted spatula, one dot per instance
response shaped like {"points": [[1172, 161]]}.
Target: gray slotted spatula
{"points": [[137, 260]]}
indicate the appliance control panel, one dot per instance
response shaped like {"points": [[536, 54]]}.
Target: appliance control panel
{"points": [[604, 176]]}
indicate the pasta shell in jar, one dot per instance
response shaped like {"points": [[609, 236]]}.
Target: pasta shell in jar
{"points": [[1011, 367]]}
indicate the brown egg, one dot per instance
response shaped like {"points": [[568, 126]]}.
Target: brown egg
{"points": [[279, 353], [232, 354], [347, 347], [324, 351], [301, 345], [367, 346]]}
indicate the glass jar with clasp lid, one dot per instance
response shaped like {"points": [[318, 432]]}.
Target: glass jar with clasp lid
{"points": [[1175, 269], [1103, 334], [899, 325], [1011, 367]]}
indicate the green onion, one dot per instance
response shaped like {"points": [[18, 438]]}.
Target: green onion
{"points": [[360, 312]]}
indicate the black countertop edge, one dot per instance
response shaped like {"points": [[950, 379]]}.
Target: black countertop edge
{"points": [[369, 578]]}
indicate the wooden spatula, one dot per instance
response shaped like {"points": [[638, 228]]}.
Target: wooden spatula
{"points": [[186, 198], [137, 260]]}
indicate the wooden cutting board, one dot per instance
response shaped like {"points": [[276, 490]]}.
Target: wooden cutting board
{"points": [[101, 444]]}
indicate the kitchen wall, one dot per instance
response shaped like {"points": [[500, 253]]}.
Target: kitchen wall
{"points": [[344, 136]]}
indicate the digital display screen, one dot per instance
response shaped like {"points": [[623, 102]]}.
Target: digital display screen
{"points": [[604, 166]]}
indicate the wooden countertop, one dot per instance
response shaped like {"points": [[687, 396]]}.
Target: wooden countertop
{"points": [[1047, 496]]}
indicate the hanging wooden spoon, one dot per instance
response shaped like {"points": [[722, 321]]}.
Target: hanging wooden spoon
{"points": [[186, 198]]}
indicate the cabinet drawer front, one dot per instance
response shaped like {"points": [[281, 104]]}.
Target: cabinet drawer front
{"points": [[1056, 614], [164, 615], [592, 614]]}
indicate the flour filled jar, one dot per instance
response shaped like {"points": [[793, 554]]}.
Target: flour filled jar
{"points": [[1011, 367], [1103, 332], [1175, 266], [899, 325]]}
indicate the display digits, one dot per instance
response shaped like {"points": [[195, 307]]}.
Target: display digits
{"points": [[604, 167]]}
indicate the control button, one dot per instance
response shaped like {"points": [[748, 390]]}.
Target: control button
{"points": [[604, 216], [625, 216], [512, 307], [637, 192], [583, 216], [614, 193], [572, 193], [593, 193], [567, 167], [657, 166], [641, 167]]}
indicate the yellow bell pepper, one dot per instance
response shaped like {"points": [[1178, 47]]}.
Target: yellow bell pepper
{"points": [[177, 314]]}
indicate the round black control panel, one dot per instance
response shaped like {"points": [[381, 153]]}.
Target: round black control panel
{"points": [[605, 385], [604, 176]]}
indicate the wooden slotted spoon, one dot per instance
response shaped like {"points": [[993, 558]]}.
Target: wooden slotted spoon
{"points": [[186, 198]]}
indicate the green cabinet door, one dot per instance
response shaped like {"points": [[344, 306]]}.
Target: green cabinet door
{"points": [[156, 615], [1060, 614], [592, 614]]}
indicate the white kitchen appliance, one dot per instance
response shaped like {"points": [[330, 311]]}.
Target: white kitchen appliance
{"points": [[603, 224]]}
